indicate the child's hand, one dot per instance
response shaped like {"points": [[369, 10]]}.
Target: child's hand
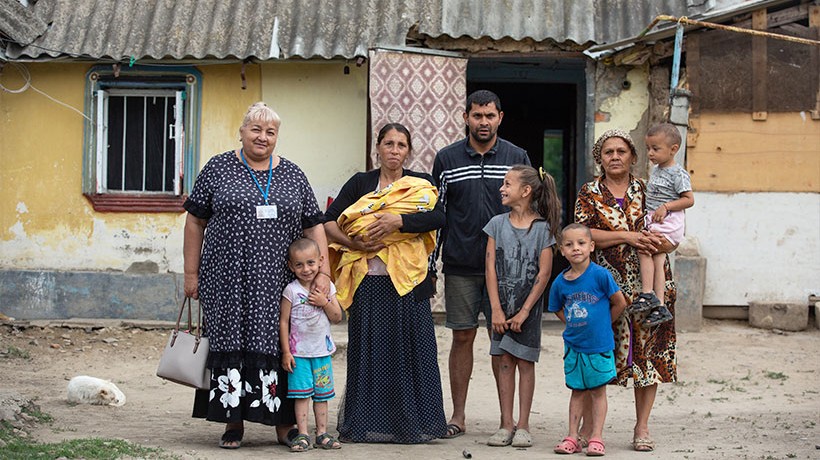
{"points": [[318, 298], [660, 213], [288, 363], [499, 321], [516, 321]]}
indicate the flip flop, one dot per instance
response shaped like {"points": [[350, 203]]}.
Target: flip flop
{"points": [[229, 437], [501, 438], [567, 446], [453, 431], [643, 445], [596, 448]]}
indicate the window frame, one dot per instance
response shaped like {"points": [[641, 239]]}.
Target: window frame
{"points": [[147, 78]]}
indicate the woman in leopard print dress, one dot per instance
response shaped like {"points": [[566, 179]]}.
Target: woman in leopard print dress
{"points": [[612, 206]]}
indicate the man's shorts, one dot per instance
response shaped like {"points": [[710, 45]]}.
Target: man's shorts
{"points": [[312, 377], [464, 298], [587, 371]]}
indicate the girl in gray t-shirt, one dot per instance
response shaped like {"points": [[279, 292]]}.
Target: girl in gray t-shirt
{"points": [[518, 266]]}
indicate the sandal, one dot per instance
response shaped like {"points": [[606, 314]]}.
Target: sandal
{"points": [[657, 316], [501, 438], [453, 431], [643, 445], [301, 443], [327, 442], [645, 301], [567, 446], [231, 439], [596, 448]]}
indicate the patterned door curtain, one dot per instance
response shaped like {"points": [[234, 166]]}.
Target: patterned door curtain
{"points": [[425, 93]]}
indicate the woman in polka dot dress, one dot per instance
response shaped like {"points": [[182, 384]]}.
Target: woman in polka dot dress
{"points": [[246, 207], [393, 391]]}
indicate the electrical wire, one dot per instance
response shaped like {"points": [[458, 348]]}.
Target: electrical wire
{"points": [[27, 77]]}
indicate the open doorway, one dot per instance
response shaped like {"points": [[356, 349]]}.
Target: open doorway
{"points": [[543, 100]]}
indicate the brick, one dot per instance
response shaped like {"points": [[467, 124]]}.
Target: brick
{"points": [[785, 316]]}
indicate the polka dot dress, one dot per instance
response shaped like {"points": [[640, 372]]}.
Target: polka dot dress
{"points": [[242, 273], [393, 389]]}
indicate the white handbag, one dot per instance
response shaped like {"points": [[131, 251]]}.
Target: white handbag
{"points": [[184, 358]]}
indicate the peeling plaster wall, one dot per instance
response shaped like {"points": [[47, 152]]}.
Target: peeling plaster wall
{"points": [[45, 222], [622, 96]]}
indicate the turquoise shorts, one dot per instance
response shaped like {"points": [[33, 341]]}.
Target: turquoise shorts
{"points": [[587, 371], [311, 377]]}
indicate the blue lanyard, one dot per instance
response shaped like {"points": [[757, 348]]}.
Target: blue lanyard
{"points": [[253, 176]]}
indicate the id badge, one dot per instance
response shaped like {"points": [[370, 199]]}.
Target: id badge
{"points": [[266, 211]]}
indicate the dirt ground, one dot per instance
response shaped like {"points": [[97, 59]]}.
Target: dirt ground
{"points": [[743, 393]]}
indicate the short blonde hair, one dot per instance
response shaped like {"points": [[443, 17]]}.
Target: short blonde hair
{"points": [[260, 111]]}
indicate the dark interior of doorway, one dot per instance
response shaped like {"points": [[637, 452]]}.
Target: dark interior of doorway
{"points": [[540, 117]]}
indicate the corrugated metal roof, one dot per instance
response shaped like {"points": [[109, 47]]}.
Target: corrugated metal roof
{"points": [[580, 21], [20, 23], [267, 29]]}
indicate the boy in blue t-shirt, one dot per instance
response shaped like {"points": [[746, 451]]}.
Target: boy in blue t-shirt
{"points": [[586, 298]]}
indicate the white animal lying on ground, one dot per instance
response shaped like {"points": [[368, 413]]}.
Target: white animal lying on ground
{"points": [[83, 389]]}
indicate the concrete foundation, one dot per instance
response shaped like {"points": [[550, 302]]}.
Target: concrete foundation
{"points": [[31, 294], [690, 278], [785, 316]]}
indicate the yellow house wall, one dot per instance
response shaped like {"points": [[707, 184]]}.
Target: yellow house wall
{"points": [[45, 222], [324, 119]]}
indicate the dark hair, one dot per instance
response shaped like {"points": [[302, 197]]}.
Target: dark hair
{"points": [[667, 129], [302, 244], [575, 226], [545, 200], [481, 98], [398, 127]]}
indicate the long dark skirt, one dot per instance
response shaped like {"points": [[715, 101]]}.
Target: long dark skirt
{"points": [[246, 394], [393, 389]]}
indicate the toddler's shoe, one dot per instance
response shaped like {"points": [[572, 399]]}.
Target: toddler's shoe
{"points": [[657, 316], [645, 302]]}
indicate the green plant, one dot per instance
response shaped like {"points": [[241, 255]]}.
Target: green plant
{"points": [[35, 412], [17, 447], [775, 375], [14, 352]]}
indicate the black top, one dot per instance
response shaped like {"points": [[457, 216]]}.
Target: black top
{"points": [[468, 185]]}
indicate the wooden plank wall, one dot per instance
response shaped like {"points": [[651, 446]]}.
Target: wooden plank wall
{"points": [[731, 152]]}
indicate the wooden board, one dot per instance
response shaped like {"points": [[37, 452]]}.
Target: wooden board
{"points": [[736, 154]]}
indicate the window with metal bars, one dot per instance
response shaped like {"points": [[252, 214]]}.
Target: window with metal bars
{"points": [[142, 140]]}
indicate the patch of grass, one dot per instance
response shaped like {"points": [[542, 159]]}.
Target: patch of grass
{"points": [[775, 375], [21, 448], [14, 352], [718, 399], [35, 412], [719, 382]]}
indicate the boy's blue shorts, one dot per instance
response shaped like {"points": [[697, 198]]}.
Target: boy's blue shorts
{"points": [[312, 377], [587, 371]]}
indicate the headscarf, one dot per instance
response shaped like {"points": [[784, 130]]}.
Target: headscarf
{"points": [[617, 132]]}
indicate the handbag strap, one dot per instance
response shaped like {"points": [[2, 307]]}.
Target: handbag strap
{"points": [[196, 331]]}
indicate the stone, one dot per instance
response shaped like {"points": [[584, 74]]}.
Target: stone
{"points": [[784, 316]]}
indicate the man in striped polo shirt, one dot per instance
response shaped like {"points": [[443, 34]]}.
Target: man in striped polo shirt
{"points": [[469, 174]]}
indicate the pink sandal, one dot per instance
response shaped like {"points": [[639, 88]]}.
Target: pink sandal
{"points": [[567, 446], [596, 448]]}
